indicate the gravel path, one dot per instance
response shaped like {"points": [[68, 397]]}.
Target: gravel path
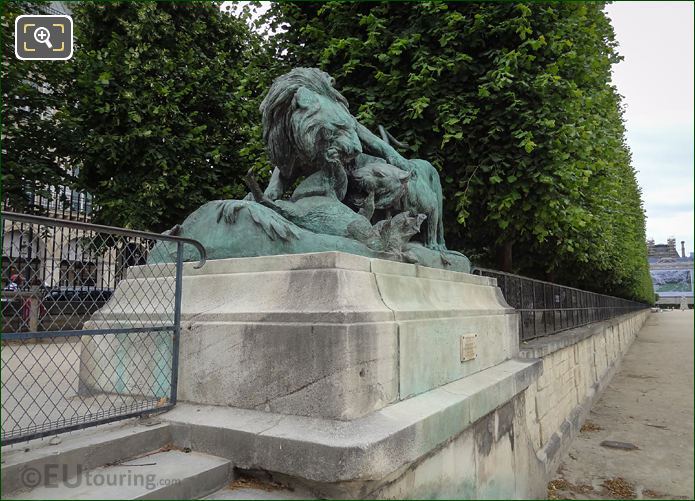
{"points": [[648, 405]]}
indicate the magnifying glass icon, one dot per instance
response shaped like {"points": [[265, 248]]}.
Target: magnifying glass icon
{"points": [[42, 35]]}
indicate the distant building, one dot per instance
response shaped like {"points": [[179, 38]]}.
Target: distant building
{"points": [[662, 250], [672, 273]]}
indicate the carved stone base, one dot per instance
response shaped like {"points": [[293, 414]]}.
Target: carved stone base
{"points": [[328, 335]]}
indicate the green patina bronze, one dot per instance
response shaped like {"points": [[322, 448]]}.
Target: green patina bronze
{"points": [[358, 194]]}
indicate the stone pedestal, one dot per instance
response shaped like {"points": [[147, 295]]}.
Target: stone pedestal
{"points": [[328, 334], [371, 357]]}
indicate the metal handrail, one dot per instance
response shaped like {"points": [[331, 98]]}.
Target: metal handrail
{"points": [[30, 218]]}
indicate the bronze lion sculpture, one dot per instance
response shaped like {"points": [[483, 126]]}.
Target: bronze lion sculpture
{"points": [[307, 127], [351, 190]]}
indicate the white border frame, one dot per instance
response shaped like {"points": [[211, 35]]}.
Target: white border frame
{"points": [[72, 36]]}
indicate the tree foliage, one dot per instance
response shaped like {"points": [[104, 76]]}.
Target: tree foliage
{"points": [[513, 103], [161, 106], [30, 133]]}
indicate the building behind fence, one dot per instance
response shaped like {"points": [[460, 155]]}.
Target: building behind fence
{"points": [[673, 274], [53, 274], [59, 256]]}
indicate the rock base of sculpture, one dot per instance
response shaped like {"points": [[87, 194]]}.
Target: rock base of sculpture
{"points": [[239, 228]]}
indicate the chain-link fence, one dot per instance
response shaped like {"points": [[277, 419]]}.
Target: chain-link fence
{"points": [[89, 329], [547, 308]]}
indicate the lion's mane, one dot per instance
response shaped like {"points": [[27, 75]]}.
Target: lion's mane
{"points": [[277, 109]]}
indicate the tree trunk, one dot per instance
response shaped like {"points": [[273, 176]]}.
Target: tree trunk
{"points": [[504, 257]]}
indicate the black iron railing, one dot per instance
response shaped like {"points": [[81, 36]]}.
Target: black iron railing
{"points": [[61, 202], [546, 308], [87, 352]]}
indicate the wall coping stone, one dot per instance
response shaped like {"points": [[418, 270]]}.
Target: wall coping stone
{"points": [[368, 448]]}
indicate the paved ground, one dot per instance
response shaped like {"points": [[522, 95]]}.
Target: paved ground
{"points": [[39, 389], [648, 404]]}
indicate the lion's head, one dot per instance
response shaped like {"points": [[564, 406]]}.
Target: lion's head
{"points": [[306, 123]]}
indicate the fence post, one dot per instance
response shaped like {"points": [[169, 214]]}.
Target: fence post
{"points": [[533, 306], [177, 323], [33, 313], [521, 307]]}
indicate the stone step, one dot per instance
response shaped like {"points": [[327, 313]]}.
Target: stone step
{"points": [[245, 489], [171, 474], [67, 455], [256, 493]]}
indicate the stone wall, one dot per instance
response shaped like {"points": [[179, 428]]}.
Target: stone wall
{"points": [[488, 460], [496, 433], [514, 451], [577, 365]]}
